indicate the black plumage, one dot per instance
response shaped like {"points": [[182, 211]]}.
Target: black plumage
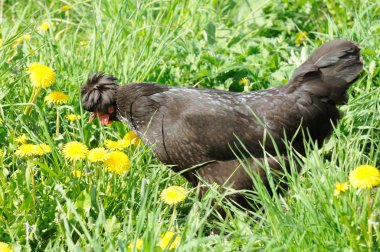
{"points": [[187, 127]]}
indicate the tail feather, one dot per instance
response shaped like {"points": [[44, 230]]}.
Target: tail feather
{"points": [[328, 72], [338, 58]]}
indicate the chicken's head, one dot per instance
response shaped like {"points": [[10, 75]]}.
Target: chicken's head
{"points": [[99, 97]]}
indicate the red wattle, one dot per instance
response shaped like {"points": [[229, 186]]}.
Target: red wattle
{"points": [[104, 119]]}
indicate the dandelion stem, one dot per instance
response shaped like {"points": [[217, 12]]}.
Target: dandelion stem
{"points": [[108, 188], [57, 123], [173, 218], [32, 95], [369, 222], [33, 184], [33, 99], [30, 180]]}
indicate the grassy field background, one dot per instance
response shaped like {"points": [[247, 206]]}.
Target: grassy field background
{"points": [[230, 45]]}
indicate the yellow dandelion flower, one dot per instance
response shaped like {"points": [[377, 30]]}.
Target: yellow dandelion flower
{"points": [[84, 43], [21, 139], [97, 155], [138, 244], [73, 117], [1, 42], [244, 81], [26, 150], [57, 97], [75, 151], [170, 238], [173, 195], [66, 7], [4, 247], [117, 145], [340, 187], [42, 149], [77, 173], [18, 42], [26, 37], [365, 176], [44, 26], [21, 39], [117, 162], [132, 138], [40, 75], [301, 37]]}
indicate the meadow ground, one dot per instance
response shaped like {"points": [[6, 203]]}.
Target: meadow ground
{"points": [[54, 199]]}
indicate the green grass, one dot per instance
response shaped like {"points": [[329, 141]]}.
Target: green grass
{"points": [[212, 44]]}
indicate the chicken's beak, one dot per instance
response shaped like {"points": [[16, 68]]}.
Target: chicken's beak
{"points": [[92, 117]]}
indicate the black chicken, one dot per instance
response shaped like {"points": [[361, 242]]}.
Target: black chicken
{"points": [[204, 128]]}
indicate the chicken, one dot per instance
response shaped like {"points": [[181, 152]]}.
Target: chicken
{"points": [[205, 129]]}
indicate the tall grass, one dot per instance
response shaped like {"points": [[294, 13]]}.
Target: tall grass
{"points": [[211, 44]]}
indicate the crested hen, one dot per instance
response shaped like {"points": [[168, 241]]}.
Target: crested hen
{"points": [[200, 128]]}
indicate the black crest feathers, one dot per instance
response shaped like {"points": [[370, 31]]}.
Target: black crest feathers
{"points": [[99, 92]]}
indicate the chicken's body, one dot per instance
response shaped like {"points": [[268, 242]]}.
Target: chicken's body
{"points": [[187, 127]]}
